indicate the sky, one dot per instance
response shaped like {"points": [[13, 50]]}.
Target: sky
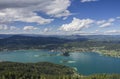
{"points": [[60, 17]]}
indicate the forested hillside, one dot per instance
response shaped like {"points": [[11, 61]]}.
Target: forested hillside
{"points": [[44, 70]]}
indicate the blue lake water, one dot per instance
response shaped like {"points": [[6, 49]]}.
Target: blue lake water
{"points": [[85, 63]]}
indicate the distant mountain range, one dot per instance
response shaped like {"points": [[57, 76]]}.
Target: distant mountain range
{"points": [[68, 37], [29, 40], [14, 42]]}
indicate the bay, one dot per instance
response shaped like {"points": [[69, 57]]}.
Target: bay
{"points": [[84, 63]]}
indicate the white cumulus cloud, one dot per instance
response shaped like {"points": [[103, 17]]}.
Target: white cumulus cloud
{"points": [[3, 27], [49, 7], [27, 11], [29, 28], [112, 31], [88, 1], [106, 23], [76, 24], [12, 15]]}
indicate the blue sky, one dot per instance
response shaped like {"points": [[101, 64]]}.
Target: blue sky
{"points": [[61, 17]]}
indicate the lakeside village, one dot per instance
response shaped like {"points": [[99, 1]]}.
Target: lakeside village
{"points": [[66, 51]]}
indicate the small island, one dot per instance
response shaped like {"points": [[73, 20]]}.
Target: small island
{"points": [[66, 54]]}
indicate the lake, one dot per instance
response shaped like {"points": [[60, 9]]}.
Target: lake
{"points": [[84, 63]]}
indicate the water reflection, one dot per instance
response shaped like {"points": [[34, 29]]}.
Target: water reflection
{"points": [[81, 57], [67, 61]]}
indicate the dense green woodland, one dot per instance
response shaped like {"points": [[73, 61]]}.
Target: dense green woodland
{"points": [[9, 70], [44, 70]]}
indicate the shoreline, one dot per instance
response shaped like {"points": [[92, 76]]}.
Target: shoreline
{"points": [[108, 53]]}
